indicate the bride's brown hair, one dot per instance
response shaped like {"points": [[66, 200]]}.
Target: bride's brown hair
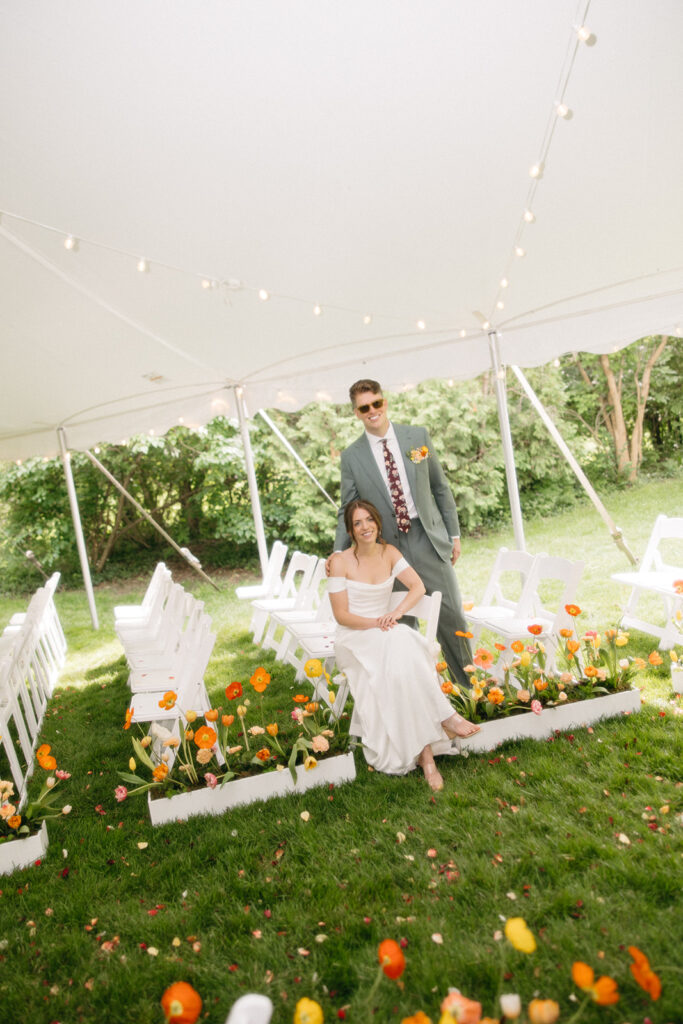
{"points": [[367, 506]]}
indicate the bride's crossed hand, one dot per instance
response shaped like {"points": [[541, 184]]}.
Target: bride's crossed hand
{"points": [[385, 622]]}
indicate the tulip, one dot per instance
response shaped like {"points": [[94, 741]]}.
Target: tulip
{"points": [[510, 1005]]}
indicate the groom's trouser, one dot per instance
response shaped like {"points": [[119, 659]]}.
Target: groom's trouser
{"points": [[436, 574]]}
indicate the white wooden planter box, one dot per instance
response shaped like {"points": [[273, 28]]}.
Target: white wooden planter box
{"points": [[577, 715], [337, 769], [677, 679], [21, 853]]}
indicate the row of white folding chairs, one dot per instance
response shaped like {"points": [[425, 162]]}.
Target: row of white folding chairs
{"points": [[32, 652], [510, 617]]}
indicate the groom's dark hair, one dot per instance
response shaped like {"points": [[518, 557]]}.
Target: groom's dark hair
{"points": [[363, 385]]}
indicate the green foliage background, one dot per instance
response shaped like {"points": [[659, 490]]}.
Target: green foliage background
{"points": [[194, 482]]}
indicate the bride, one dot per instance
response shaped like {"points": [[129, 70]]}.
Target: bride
{"points": [[399, 709]]}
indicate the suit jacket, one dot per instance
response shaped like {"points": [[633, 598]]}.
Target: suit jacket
{"points": [[361, 478]]}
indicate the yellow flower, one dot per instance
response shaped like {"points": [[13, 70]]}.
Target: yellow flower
{"points": [[191, 716], [145, 741], [525, 659], [332, 696], [673, 656], [520, 935], [307, 1011], [272, 729], [132, 765], [310, 763], [621, 640], [241, 710], [313, 668]]}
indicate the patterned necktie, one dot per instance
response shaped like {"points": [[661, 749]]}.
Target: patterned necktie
{"points": [[396, 490]]}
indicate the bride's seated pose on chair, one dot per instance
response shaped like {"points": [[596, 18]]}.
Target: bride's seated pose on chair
{"points": [[399, 711]]}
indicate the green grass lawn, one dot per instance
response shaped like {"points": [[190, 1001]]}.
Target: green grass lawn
{"points": [[582, 836]]}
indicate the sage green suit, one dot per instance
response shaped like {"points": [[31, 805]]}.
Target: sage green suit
{"points": [[428, 544]]}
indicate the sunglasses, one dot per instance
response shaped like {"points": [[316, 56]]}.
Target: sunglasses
{"points": [[377, 404]]}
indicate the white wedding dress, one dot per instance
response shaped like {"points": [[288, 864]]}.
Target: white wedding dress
{"points": [[398, 703]]}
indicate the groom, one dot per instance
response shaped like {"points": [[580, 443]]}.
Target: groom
{"points": [[395, 467]]}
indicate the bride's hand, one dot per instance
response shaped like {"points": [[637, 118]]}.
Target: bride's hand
{"points": [[386, 622]]}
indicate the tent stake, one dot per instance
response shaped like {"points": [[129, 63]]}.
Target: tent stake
{"points": [[617, 535], [193, 563], [251, 478], [78, 528], [506, 438]]}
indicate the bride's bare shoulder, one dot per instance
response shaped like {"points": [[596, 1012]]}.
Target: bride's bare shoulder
{"points": [[339, 564], [393, 554]]}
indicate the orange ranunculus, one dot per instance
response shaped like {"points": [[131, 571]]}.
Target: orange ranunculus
{"points": [[543, 1011], [483, 658], [168, 700], [417, 1018], [312, 707], [447, 686], [181, 1003], [205, 737], [211, 716], [566, 633], [463, 1010], [603, 990], [590, 671], [160, 772], [14, 821], [272, 729], [517, 646], [128, 719], [535, 629], [300, 698], [391, 958], [495, 695], [540, 684], [643, 973], [233, 691], [572, 609], [227, 720], [655, 658], [260, 680], [263, 754], [467, 635]]}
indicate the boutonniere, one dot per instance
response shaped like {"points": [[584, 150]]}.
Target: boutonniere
{"points": [[418, 454]]}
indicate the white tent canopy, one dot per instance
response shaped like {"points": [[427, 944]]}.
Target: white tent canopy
{"points": [[267, 157]]}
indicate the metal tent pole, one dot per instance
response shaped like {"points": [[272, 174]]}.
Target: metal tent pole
{"points": [[78, 528], [251, 478], [506, 438], [278, 433], [617, 535]]}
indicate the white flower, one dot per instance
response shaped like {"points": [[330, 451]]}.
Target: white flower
{"points": [[623, 664], [159, 732], [66, 809], [511, 1005]]}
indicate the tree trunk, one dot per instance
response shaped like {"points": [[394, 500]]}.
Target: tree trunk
{"points": [[642, 392], [615, 415]]}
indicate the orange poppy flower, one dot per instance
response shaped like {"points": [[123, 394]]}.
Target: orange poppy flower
{"points": [[205, 737], [572, 609], [272, 729], [181, 1003], [14, 821], [47, 761], [211, 716], [300, 698], [603, 990], [160, 772], [465, 1011], [263, 754], [391, 958], [643, 973], [678, 586], [536, 630], [500, 647], [126, 724], [543, 1011], [655, 658], [483, 658], [260, 680], [417, 1018], [43, 750], [517, 646], [447, 686], [233, 691], [590, 671], [168, 700], [227, 720], [566, 632], [467, 635]]}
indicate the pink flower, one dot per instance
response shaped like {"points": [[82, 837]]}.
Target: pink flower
{"points": [[536, 707], [320, 744], [62, 775], [120, 793], [211, 780], [298, 715]]}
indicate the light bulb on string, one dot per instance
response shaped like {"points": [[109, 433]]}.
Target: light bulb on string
{"points": [[421, 325], [504, 282], [367, 319], [71, 243], [263, 295], [563, 111], [519, 251], [536, 171], [586, 36], [317, 310], [529, 216], [206, 284], [143, 266], [463, 333], [500, 304]]}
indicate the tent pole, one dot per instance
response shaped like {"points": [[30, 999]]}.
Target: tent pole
{"points": [[281, 437], [183, 552], [617, 535], [251, 478], [506, 438], [78, 528]]}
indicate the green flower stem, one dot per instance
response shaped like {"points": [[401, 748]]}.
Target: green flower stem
{"points": [[580, 1010]]}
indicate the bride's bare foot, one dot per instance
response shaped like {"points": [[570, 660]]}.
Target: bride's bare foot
{"points": [[433, 776], [456, 725]]}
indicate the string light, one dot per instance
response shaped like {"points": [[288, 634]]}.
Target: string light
{"points": [[206, 284], [71, 243], [586, 36], [463, 334], [263, 295], [367, 319], [317, 310], [529, 216], [500, 304], [504, 282], [143, 266], [562, 110], [537, 170], [421, 325], [519, 251]]}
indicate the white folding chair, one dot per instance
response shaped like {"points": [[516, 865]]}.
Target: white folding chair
{"points": [[306, 610], [271, 584], [508, 576], [133, 613], [655, 577], [297, 578]]}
